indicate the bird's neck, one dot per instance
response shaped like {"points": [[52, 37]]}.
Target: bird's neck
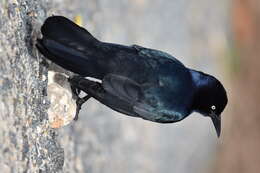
{"points": [[202, 84]]}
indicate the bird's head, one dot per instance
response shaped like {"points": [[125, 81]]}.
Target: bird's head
{"points": [[210, 98]]}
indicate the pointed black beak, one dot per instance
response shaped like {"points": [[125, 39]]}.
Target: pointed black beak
{"points": [[217, 123]]}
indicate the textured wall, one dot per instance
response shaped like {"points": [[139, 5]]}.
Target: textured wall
{"points": [[27, 143]]}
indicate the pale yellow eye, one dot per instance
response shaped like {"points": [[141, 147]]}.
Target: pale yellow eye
{"points": [[213, 107]]}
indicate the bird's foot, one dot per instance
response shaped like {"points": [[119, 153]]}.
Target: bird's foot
{"points": [[79, 103], [76, 92]]}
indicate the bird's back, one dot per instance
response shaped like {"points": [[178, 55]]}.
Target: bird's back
{"points": [[75, 49]]}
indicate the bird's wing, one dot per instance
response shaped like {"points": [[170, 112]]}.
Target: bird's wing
{"points": [[122, 87], [134, 93], [155, 53]]}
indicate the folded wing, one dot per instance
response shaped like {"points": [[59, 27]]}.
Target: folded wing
{"points": [[131, 92]]}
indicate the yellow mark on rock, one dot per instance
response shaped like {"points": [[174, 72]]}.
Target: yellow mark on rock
{"points": [[78, 20]]}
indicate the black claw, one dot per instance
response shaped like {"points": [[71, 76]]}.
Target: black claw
{"points": [[77, 114], [80, 102], [75, 91], [75, 82]]}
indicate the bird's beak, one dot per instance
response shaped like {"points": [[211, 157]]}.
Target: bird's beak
{"points": [[217, 123]]}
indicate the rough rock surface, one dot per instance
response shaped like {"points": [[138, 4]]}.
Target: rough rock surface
{"points": [[28, 144]]}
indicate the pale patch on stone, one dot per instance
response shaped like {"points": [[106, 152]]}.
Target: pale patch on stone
{"points": [[62, 108]]}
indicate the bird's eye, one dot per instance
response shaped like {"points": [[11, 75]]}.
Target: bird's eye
{"points": [[213, 107]]}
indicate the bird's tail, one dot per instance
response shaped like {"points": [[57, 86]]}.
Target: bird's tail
{"points": [[68, 45]]}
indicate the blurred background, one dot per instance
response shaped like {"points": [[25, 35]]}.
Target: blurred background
{"points": [[217, 37]]}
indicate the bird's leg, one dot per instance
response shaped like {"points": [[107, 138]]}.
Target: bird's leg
{"points": [[76, 91], [79, 103]]}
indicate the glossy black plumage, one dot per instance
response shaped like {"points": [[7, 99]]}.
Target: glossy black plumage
{"points": [[136, 81]]}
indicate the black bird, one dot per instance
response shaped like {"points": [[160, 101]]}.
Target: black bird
{"points": [[136, 81]]}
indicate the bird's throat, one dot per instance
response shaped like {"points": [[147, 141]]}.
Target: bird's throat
{"points": [[201, 82]]}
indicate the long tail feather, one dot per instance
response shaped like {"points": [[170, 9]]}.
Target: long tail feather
{"points": [[70, 46]]}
